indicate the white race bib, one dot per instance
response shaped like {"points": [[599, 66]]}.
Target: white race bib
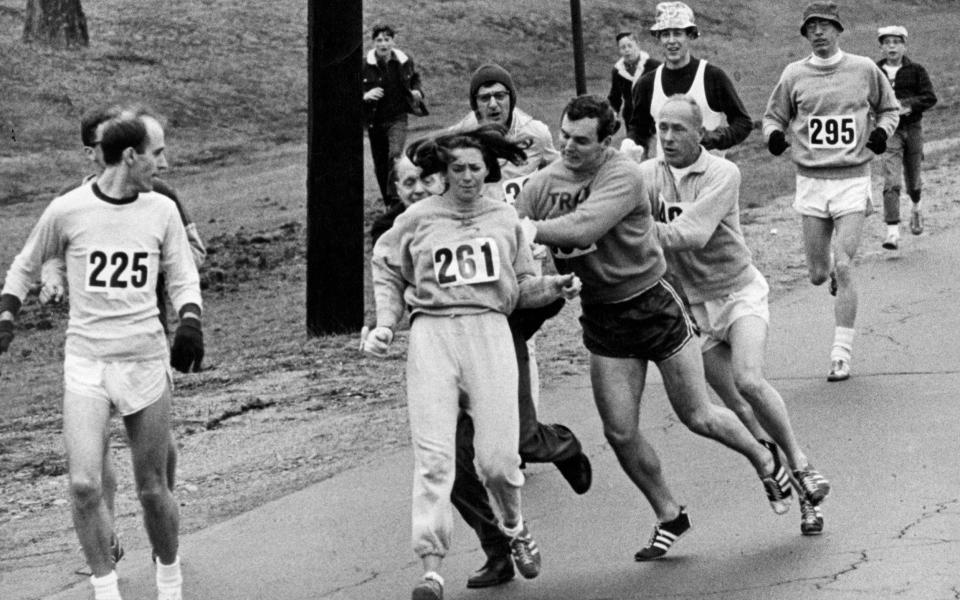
{"points": [[114, 271], [832, 131], [668, 211], [511, 188], [466, 263]]}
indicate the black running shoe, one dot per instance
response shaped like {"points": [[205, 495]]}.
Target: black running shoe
{"points": [[814, 485], [777, 483], [811, 518], [664, 536]]}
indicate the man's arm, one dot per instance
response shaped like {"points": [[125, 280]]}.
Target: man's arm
{"points": [[923, 98], [640, 127], [884, 103], [718, 194], [722, 97], [611, 199]]}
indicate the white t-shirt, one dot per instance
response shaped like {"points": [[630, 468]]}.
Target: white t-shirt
{"points": [[113, 250]]}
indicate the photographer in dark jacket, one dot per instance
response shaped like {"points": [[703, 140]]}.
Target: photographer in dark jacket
{"points": [[391, 90]]}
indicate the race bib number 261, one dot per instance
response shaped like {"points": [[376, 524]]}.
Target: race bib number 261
{"points": [[832, 131], [467, 263]]}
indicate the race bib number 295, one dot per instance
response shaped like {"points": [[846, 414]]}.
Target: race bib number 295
{"points": [[832, 131], [466, 263]]}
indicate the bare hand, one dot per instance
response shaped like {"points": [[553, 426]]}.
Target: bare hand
{"points": [[374, 94], [570, 286], [378, 341], [51, 292]]}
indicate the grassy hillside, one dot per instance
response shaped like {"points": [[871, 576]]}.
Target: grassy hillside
{"points": [[231, 75]]}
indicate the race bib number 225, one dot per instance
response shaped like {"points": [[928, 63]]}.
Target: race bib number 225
{"points": [[111, 271], [466, 263]]}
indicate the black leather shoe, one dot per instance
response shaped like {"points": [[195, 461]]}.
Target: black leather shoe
{"points": [[577, 471], [497, 570]]}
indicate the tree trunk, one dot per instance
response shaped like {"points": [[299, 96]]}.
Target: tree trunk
{"points": [[58, 23]]}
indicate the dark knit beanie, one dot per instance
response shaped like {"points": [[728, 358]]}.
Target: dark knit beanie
{"points": [[491, 73]]}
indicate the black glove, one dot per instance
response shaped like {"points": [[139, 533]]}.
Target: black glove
{"points": [[187, 351], [6, 335], [878, 141], [777, 144]]}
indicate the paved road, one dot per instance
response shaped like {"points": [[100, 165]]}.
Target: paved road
{"points": [[888, 439]]}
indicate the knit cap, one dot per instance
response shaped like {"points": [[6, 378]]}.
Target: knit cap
{"points": [[488, 74]]}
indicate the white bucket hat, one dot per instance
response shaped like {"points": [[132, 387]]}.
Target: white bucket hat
{"points": [[674, 15]]}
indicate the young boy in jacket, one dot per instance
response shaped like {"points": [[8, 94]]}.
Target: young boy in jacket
{"points": [[904, 152]]}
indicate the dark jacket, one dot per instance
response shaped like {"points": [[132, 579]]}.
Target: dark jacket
{"points": [[410, 80], [621, 85], [913, 88]]}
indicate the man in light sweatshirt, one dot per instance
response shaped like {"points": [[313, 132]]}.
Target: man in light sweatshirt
{"points": [[695, 198], [826, 100], [589, 208]]}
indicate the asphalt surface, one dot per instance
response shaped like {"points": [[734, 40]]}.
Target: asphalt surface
{"points": [[887, 439]]}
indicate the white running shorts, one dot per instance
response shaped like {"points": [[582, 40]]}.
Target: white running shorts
{"points": [[128, 386], [715, 317], [832, 198]]}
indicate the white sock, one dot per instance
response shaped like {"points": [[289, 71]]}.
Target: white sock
{"points": [[105, 588], [434, 576], [893, 229], [842, 343], [169, 576], [512, 532]]}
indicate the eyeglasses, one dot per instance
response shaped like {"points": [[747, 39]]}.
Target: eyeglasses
{"points": [[498, 96]]}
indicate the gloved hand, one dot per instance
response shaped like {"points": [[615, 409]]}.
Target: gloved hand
{"points": [[187, 351], [777, 144], [878, 141], [378, 341], [6, 335]]}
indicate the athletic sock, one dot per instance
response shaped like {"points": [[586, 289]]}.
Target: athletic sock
{"points": [[893, 229], [105, 588], [514, 531], [842, 343], [169, 576]]}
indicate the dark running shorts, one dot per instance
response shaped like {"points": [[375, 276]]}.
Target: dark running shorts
{"points": [[652, 326]]}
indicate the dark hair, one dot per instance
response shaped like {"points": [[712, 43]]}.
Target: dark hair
{"points": [[382, 28], [624, 34], [92, 119], [590, 106], [433, 155], [124, 131]]}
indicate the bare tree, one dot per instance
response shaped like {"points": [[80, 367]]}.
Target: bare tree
{"points": [[59, 23]]}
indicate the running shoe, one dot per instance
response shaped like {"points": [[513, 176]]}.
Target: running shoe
{"points": [[839, 370], [777, 483], [813, 485], [916, 222], [577, 471], [429, 588], [892, 242], [664, 536], [811, 518], [526, 553]]}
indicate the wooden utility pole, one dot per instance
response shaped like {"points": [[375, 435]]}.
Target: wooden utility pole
{"points": [[335, 245], [578, 66], [58, 23]]}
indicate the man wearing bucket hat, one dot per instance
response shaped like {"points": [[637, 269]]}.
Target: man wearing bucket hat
{"points": [[724, 117], [826, 100], [904, 153]]}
